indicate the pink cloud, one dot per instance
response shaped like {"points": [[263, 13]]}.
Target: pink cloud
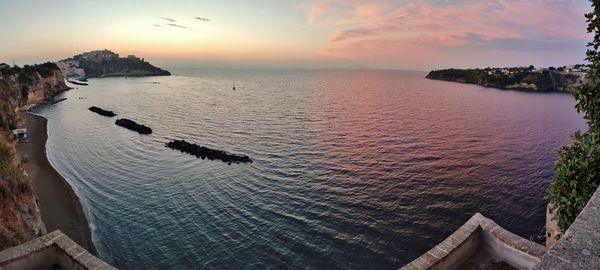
{"points": [[379, 29]]}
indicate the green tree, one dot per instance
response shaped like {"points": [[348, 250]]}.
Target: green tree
{"points": [[578, 167]]}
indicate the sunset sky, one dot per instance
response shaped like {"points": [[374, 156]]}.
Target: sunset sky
{"points": [[416, 35]]}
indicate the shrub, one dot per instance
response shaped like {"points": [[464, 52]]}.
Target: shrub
{"points": [[578, 167], [577, 177]]}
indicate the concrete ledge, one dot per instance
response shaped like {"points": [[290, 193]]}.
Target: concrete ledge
{"points": [[48, 252], [480, 237], [579, 248]]}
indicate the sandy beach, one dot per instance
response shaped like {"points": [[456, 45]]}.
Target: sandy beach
{"points": [[59, 205]]}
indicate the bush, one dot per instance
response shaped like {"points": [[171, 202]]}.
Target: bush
{"points": [[23, 78], [577, 177], [578, 167]]}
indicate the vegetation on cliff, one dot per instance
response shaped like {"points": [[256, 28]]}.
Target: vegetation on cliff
{"points": [[514, 78], [45, 70], [578, 167], [19, 214]]}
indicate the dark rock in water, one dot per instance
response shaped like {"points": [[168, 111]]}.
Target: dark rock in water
{"points": [[129, 124], [76, 82], [59, 100], [101, 111], [204, 152]]}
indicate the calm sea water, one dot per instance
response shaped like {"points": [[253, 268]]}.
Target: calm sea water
{"points": [[353, 169]]}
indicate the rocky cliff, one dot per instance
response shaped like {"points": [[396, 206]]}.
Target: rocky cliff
{"points": [[30, 84], [20, 218], [512, 78]]}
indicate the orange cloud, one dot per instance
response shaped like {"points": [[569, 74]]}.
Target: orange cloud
{"points": [[379, 29]]}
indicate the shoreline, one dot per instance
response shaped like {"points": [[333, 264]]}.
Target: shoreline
{"points": [[524, 90], [59, 205]]}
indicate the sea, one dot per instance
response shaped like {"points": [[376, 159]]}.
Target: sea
{"points": [[353, 169]]}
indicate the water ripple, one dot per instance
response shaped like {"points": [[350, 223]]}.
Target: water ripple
{"points": [[353, 169]]}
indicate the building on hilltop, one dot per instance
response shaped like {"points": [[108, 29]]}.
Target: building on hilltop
{"points": [[98, 56]]}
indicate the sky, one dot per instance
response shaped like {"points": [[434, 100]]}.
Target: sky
{"points": [[401, 34]]}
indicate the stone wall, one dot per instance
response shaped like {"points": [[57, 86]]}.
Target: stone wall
{"points": [[552, 230], [579, 247], [480, 241], [51, 251]]}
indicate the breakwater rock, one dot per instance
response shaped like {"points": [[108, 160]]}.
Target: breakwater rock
{"points": [[58, 100], [102, 112], [205, 152], [77, 83], [132, 125]]}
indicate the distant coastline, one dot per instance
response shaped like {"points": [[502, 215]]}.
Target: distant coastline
{"points": [[563, 79], [105, 63]]}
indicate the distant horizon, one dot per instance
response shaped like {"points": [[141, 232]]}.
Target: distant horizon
{"points": [[377, 34], [222, 65]]}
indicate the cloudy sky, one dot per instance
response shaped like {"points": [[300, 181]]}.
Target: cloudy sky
{"points": [[417, 34]]}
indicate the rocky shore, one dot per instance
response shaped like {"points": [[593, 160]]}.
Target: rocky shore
{"points": [[524, 79]]}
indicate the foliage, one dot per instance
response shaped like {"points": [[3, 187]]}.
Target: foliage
{"points": [[45, 70], [578, 167], [23, 78], [24, 92], [12, 179], [577, 177], [13, 187]]}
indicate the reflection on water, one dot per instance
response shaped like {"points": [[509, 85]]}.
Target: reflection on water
{"points": [[352, 169]]}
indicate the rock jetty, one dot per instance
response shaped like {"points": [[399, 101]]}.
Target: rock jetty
{"points": [[102, 112], [130, 124], [205, 152], [77, 83], [58, 100]]}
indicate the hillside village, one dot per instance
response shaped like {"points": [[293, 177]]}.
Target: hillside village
{"points": [[105, 63]]}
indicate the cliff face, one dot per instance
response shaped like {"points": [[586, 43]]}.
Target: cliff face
{"points": [[25, 87], [517, 79], [20, 218]]}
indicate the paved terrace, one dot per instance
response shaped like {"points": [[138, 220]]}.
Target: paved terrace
{"points": [[480, 243], [51, 251]]}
